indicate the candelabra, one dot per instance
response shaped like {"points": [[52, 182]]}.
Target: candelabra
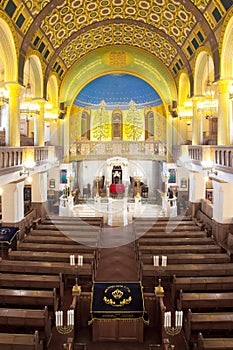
{"points": [[159, 268], [138, 179], [169, 329], [61, 328], [97, 179], [76, 290]]}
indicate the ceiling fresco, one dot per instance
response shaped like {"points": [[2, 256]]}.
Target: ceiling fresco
{"points": [[65, 31]]}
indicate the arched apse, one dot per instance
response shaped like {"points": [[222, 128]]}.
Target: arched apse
{"points": [[52, 91], [226, 64], [204, 71], [8, 53], [137, 62], [33, 74]]}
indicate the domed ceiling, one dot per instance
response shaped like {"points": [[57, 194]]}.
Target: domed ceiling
{"points": [[117, 90]]}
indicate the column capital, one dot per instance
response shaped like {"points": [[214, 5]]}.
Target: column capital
{"points": [[224, 85], [14, 88]]}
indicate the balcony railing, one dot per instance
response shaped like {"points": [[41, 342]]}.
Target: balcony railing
{"points": [[90, 149], [221, 156], [12, 158]]}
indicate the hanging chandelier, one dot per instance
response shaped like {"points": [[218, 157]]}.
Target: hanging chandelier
{"points": [[28, 106]]}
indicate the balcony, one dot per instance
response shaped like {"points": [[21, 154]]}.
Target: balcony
{"points": [[102, 150]]}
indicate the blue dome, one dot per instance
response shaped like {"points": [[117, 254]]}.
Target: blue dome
{"points": [[117, 90]]}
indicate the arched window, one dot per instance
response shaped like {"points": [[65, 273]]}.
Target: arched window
{"points": [[85, 123], [117, 124], [149, 123]]}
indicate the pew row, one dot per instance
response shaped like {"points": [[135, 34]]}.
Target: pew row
{"points": [[168, 235], [167, 249], [29, 319], [200, 284], [74, 240], [91, 220], [211, 322], [85, 273], [205, 301], [29, 281], [82, 233], [148, 273], [214, 343], [174, 241], [10, 341], [30, 298]]}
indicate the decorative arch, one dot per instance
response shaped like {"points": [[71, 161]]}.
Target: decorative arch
{"points": [[33, 73], [52, 91], [226, 64], [201, 71], [183, 88], [8, 52], [149, 123], [117, 124]]}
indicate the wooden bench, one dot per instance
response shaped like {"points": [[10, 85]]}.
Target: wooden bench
{"points": [[174, 241], [10, 341], [61, 240], [188, 258], [201, 284], [26, 297], [91, 220], [29, 281], [85, 273], [205, 301], [148, 273], [75, 248], [214, 343], [167, 228], [168, 235], [206, 322], [29, 319], [84, 232], [167, 249], [35, 222], [162, 219]]}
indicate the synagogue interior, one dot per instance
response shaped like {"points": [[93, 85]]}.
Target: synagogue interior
{"points": [[116, 174]]}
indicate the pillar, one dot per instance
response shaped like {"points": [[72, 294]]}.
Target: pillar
{"points": [[169, 131], [39, 193], [13, 202], [224, 113], [13, 128], [197, 126], [223, 208], [66, 134], [39, 125], [197, 187]]}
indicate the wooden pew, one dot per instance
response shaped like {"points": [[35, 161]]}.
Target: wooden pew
{"points": [[175, 241], [167, 228], [29, 281], [26, 297], [201, 284], [205, 301], [84, 232], [85, 273], [60, 240], [168, 235], [167, 249], [148, 273], [162, 219], [214, 343], [210, 258], [221, 322], [28, 318], [91, 220], [75, 248], [10, 341]]}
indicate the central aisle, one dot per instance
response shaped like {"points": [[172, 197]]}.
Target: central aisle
{"points": [[117, 257]]}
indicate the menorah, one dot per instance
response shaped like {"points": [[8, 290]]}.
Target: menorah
{"points": [[169, 329], [76, 290], [61, 328]]}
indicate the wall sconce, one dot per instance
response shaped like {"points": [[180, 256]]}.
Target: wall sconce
{"points": [[208, 166], [27, 167]]}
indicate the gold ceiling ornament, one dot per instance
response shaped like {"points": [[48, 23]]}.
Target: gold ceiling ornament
{"points": [[117, 58]]}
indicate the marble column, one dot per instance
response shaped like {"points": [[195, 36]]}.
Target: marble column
{"points": [[13, 127], [197, 137], [224, 113], [39, 193], [39, 124]]}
